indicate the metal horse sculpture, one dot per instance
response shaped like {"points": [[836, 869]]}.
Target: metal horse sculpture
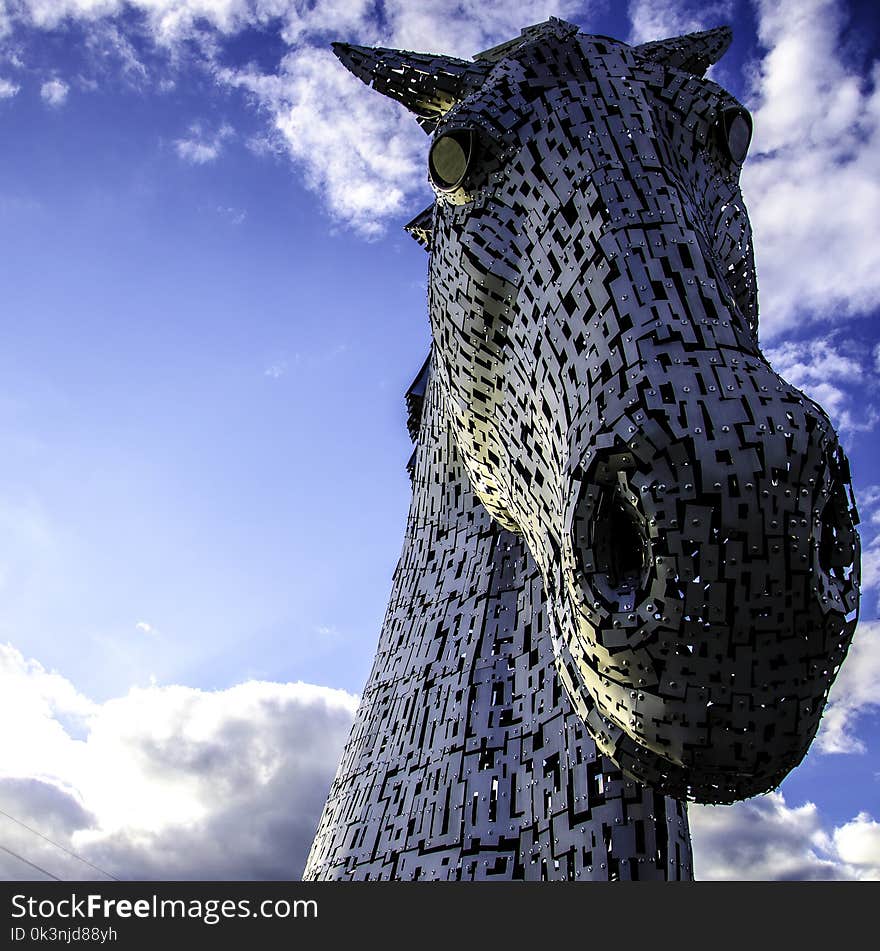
{"points": [[630, 571]]}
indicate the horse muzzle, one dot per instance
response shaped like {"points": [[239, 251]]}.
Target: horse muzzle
{"points": [[710, 589]]}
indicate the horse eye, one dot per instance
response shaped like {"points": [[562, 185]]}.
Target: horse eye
{"points": [[736, 133], [450, 157]]}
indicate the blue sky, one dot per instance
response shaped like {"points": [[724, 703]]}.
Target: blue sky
{"points": [[211, 314]]}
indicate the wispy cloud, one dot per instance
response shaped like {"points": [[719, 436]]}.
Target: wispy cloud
{"points": [[276, 370], [168, 21], [109, 42], [835, 372], [360, 152], [54, 92], [8, 89], [655, 19], [203, 145]]}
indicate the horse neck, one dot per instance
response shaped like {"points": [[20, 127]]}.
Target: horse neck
{"points": [[466, 760]]}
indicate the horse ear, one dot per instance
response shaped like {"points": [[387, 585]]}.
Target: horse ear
{"points": [[692, 53], [428, 85], [421, 228]]}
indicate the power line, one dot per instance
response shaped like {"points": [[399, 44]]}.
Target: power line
{"points": [[39, 868], [57, 845]]}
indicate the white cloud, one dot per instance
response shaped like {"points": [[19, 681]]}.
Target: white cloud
{"points": [[54, 92], [812, 181], [8, 89], [145, 628], [202, 145], [858, 844], [165, 782], [765, 839]]}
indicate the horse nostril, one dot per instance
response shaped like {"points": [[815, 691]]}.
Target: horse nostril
{"points": [[620, 545], [836, 535], [612, 543]]}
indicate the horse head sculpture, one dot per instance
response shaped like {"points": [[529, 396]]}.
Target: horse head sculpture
{"points": [[594, 315]]}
